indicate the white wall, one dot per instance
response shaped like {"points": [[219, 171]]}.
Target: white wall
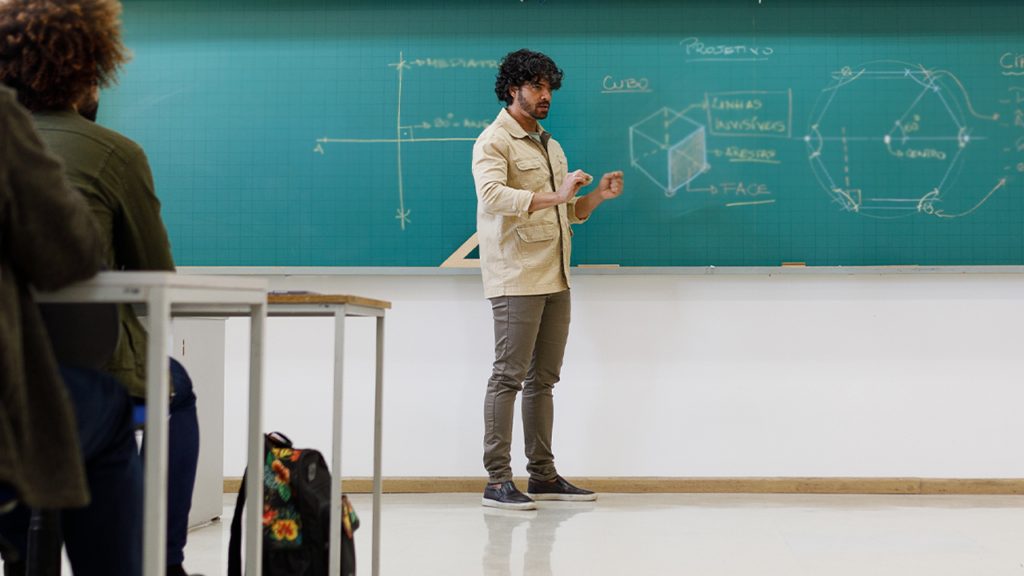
{"points": [[812, 375]]}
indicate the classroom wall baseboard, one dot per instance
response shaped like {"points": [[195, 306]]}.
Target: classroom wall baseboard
{"points": [[640, 485]]}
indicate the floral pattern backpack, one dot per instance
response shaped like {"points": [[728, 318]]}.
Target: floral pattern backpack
{"points": [[296, 514]]}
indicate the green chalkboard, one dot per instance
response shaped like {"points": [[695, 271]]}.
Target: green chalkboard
{"points": [[339, 133]]}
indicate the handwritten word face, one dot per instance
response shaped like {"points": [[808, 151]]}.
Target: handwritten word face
{"points": [[736, 189], [739, 189]]}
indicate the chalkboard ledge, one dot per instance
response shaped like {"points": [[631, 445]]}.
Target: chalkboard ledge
{"points": [[599, 271]]}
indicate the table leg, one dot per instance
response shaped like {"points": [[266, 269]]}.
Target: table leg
{"points": [[254, 484], [377, 437], [154, 552], [334, 564]]}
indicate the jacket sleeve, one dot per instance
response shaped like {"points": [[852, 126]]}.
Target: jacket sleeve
{"points": [[490, 173], [140, 238], [571, 212], [51, 235]]}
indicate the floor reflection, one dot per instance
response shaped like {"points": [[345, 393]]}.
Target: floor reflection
{"points": [[541, 531]]}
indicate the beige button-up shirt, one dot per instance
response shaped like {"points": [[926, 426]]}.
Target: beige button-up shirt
{"points": [[521, 254]]}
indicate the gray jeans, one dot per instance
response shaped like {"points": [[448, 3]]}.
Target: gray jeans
{"points": [[529, 343]]}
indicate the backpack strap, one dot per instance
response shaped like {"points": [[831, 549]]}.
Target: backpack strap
{"points": [[279, 440], [235, 544]]}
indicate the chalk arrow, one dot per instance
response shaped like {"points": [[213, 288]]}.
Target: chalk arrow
{"points": [[1002, 182], [711, 189], [403, 216]]}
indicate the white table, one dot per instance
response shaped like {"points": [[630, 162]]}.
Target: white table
{"points": [[338, 307], [165, 294]]}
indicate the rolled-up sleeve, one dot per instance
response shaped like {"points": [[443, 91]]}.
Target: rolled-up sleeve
{"points": [[571, 212], [490, 173]]}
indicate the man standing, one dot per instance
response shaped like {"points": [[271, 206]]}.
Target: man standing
{"points": [[527, 200]]}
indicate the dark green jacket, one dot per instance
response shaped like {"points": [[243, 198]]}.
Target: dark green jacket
{"points": [[47, 239], [113, 173]]}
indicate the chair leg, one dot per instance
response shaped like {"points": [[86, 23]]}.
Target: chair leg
{"points": [[44, 544]]}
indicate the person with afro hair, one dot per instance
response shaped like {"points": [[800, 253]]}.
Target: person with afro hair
{"points": [[67, 437], [57, 54], [526, 203]]}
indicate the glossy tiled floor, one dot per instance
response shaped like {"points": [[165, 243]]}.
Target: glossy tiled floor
{"points": [[693, 534], [672, 534]]}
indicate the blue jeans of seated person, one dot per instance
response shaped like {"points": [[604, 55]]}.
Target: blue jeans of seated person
{"points": [[183, 456], [182, 459], [104, 538]]}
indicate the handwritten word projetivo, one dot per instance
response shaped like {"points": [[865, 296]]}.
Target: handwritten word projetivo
{"points": [[695, 46]]}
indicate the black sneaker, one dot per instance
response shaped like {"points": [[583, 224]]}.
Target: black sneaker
{"points": [[507, 497], [558, 490]]}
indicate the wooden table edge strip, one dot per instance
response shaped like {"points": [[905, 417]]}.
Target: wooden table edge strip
{"points": [[326, 299], [669, 485]]}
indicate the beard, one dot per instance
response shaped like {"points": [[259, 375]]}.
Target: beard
{"points": [[531, 109]]}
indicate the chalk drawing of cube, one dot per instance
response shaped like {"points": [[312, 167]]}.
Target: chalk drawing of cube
{"points": [[668, 148]]}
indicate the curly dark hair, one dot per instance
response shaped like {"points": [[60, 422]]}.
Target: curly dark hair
{"points": [[522, 66], [52, 52]]}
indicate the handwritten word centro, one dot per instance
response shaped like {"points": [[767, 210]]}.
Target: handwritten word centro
{"points": [[927, 153], [611, 85], [695, 47]]}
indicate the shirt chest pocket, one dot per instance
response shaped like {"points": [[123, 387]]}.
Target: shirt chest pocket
{"points": [[532, 174]]}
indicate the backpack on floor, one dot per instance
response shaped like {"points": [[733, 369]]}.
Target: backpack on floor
{"points": [[296, 515]]}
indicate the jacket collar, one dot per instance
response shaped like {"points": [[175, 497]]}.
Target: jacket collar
{"points": [[509, 123], [65, 113]]}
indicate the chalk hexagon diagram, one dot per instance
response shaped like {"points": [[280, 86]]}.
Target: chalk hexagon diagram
{"points": [[888, 139], [668, 148]]}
